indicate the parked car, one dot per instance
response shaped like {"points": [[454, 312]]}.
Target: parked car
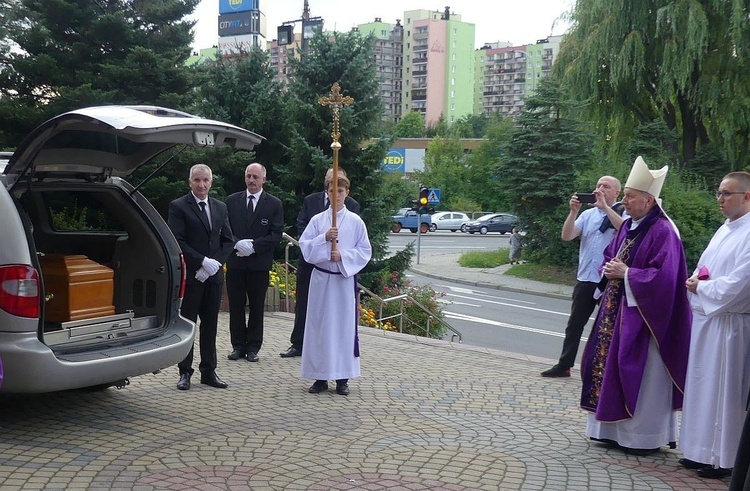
{"points": [[91, 277], [449, 220], [493, 222], [409, 220]]}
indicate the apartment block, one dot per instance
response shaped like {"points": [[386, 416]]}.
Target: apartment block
{"points": [[438, 65], [507, 74], [389, 44]]}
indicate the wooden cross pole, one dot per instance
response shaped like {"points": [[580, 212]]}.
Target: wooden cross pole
{"points": [[336, 101]]}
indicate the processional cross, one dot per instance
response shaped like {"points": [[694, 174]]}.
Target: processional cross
{"points": [[336, 101]]}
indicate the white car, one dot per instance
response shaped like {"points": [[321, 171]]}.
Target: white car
{"points": [[449, 220], [91, 277]]}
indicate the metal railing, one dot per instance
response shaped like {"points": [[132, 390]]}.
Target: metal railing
{"points": [[432, 318], [403, 298]]}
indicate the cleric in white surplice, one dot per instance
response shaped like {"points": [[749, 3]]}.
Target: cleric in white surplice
{"points": [[331, 342], [718, 373]]}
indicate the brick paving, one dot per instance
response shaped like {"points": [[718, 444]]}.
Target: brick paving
{"points": [[426, 415]]}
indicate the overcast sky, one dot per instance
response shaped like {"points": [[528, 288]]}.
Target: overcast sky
{"points": [[520, 22]]}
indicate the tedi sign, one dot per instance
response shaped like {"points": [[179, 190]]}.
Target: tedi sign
{"points": [[231, 6]]}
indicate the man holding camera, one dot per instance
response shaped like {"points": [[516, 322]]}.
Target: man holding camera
{"points": [[596, 226]]}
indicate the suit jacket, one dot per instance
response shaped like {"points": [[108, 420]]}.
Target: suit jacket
{"points": [[315, 203], [196, 238], [265, 228]]}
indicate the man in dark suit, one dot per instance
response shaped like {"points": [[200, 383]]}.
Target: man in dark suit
{"points": [[257, 220], [312, 205], [201, 226]]}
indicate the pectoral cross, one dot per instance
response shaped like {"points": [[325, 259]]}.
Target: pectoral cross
{"points": [[336, 101]]}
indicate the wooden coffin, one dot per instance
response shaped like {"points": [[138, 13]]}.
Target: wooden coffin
{"points": [[76, 288]]}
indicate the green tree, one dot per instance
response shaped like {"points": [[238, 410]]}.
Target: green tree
{"points": [[470, 126], [411, 126], [444, 169], [539, 168], [633, 62], [73, 53], [242, 90], [349, 60]]}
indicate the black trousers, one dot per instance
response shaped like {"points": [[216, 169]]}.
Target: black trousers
{"points": [[245, 287], [741, 472], [304, 273], [202, 300], [581, 309]]}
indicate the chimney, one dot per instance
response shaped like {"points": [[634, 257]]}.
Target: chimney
{"points": [[447, 14]]}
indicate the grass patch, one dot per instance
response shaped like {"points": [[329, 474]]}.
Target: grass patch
{"points": [[559, 275], [484, 259], [547, 273]]}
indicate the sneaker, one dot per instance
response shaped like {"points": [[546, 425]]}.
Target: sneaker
{"points": [[556, 372]]}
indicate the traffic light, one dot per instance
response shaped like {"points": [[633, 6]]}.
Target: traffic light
{"points": [[423, 192]]}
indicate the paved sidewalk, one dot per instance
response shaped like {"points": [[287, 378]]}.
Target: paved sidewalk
{"points": [[426, 414]]}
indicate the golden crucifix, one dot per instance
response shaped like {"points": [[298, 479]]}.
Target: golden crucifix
{"points": [[336, 101]]}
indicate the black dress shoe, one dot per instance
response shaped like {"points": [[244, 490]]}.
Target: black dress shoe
{"points": [[291, 352], [236, 354], [342, 389], [213, 380], [556, 372], [691, 464], [318, 386], [709, 472], [640, 452], [184, 383], [252, 356], [605, 441]]}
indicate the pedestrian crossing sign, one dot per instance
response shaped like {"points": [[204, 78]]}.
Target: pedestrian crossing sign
{"points": [[433, 197]]}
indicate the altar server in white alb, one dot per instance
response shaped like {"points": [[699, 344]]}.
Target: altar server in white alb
{"points": [[718, 374], [331, 341]]}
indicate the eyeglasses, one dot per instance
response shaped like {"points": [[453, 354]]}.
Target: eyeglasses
{"points": [[726, 194]]}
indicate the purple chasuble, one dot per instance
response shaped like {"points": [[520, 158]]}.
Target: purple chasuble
{"points": [[615, 355]]}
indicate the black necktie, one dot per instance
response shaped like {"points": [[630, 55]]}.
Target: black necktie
{"points": [[250, 207], [325, 202], [202, 205]]}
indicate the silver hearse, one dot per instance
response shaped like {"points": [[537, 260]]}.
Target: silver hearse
{"points": [[91, 278]]}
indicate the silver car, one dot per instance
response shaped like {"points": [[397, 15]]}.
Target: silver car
{"points": [[91, 278], [449, 220]]}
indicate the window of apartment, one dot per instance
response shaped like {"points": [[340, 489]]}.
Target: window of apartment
{"points": [[453, 106], [453, 81], [454, 44], [453, 94], [454, 56], [455, 31], [453, 69]]}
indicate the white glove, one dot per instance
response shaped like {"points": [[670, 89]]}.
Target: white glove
{"points": [[211, 266], [202, 275], [244, 247]]}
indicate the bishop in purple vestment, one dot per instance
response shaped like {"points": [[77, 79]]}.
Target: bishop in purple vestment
{"points": [[635, 360]]}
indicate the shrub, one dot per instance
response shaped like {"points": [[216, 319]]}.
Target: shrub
{"points": [[390, 283], [277, 277]]}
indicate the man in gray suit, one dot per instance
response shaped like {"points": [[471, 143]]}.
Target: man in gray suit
{"points": [[201, 226], [257, 221]]}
